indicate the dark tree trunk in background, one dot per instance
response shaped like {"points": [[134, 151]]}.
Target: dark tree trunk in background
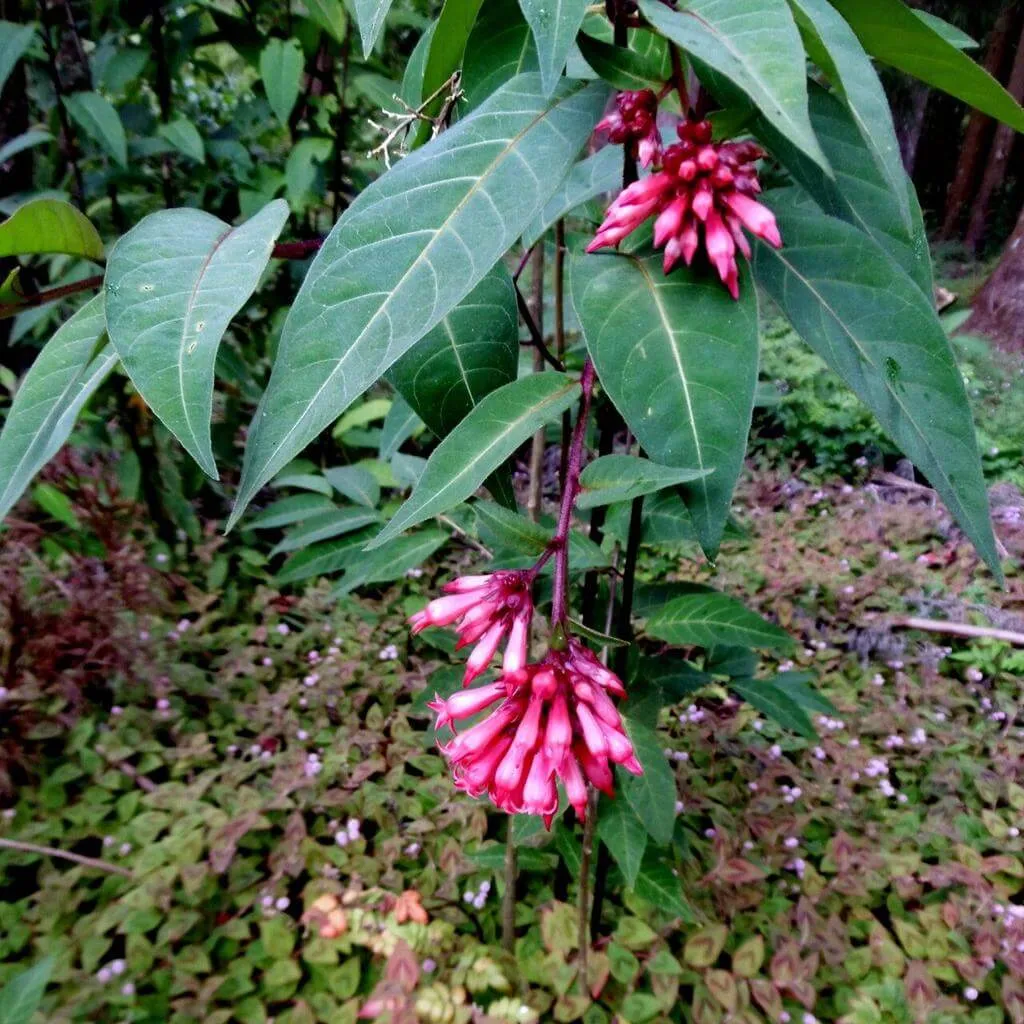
{"points": [[998, 159], [911, 125], [999, 307], [979, 131]]}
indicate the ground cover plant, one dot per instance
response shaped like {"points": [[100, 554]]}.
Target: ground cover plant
{"points": [[322, 427]]}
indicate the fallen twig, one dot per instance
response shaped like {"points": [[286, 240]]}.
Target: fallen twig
{"points": [[960, 629], [49, 851]]}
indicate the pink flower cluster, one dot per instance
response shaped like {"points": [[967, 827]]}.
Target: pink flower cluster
{"points": [[555, 722], [702, 193], [486, 609], [634, 120]]}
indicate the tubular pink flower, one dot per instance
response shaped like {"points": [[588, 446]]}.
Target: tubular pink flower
{"points": [[477, 662], [466, 703], [517, 648], [701, 196]]}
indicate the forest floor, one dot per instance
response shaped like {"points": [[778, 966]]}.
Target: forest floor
{"points": [[263, 762]]}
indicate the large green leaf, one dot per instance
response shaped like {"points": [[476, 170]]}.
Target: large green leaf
{"points": [[184, 136], [755, 45], [880, 333], [325, 558], [370, 15], [659, 884], [444, 58], [293, 509], [678, 357], [473, 351], [499, 48], [412, 78], [411, 247], [480, 443], [554, 24], [834, 47], [325, 525], [330, 16], [764, 695], [14, 42], [281, 70], [613, 478], [50, 225], [652, 796], [392, 562], [400, 424], [591, 177], [21, 996], [712, 619], [26, 140], [892, 32], [38, 422], [96, 116], [173, 284], [356, 483], [624, 834]]}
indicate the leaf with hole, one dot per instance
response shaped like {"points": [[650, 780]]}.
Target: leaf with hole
{"points": [[96, 116], [411, 246], [880, 333], [48, 400], [173, 284], [50, 225], [708, 619], [678, 358], [613, 478], [484, 439], [755, 46]]}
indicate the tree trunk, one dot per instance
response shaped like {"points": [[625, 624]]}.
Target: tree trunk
{"points": [[979, 128], [999, 307], [910, 129], [998, 159]]}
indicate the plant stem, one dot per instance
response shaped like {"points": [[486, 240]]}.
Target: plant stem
{"points": [[535, 323], [560, 541], [679, 78], [508, 899], [50, 851], [560, 339], [340, 124], [535, 335], [163, 92], [586, 850]]}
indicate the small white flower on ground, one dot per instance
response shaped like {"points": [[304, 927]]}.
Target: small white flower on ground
{"points": [[117, 967], [161, 557], [283, 628], [791, 842], [127, 989], [282, 903], [125, 849], [757, 724], [341, 838], [183, 624], [103, 975], [970, 993], [163, 704], [353, 825], [267, 662], [117, 710], [389, 653], [775, 751], [412, 850], [680, 807], [429, 966]]}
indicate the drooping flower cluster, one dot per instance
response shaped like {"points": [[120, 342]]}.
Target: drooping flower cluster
{"points": [[634, 119], [486, 609], [555, 722], [702, 193]]}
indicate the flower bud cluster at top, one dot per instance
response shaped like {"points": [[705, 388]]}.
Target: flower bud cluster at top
{"points": [[701, 191]]}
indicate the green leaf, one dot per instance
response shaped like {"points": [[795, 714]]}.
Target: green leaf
{"points": [[378, 90], [26, 140], [613, 478], [323, 559], [173, 284], [624, 835], [676, 679], [355, 483], [50, 225], [876, 329], [293, 509], [311, 481], [281, 70], [595, 636], [554, 24], [183, 135], [519, 534], [953, 35], [891, 32], [421, 236], [666, 522], [412, 79], [594, 176], [47, 402], [834, 47], [97, 117], [392, 562], [14, 43], [300, 172], [330, 16], [773, 701], [499, 48], [484, 439], [628, 67], [755, 45], [400, 424], [447, 45], [473, 351], [658, 884], [325, 525], [652, 796], [56, 504], [797, 685], [21, 996], [370, 15], [678, 357], [710, 619]]}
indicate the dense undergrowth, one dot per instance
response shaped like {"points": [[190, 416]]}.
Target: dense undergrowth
{"points": [[265, 772]]}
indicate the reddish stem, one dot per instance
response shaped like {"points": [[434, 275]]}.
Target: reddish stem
{"points": [[559, 545], [679, 77]]}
